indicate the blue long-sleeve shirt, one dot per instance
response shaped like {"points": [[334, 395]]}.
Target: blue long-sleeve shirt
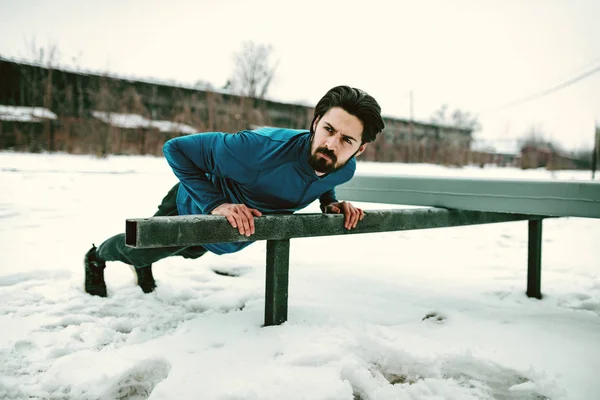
{"points": [[267, 169]]}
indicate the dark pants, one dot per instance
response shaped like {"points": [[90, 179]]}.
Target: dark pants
{"points": [[114, 248]]}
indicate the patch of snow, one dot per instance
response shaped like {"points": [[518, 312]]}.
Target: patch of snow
{"points": [[168, 126], [25, 114], [131, 121], [122, 120], [358, 325]]}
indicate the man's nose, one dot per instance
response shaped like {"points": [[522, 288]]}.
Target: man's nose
{"points": [[330, 143]]}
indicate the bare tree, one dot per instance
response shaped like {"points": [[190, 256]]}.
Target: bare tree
{"points": [[201, 84], [254, 70], [440, 116], [130, 101], [40, 86], [458, 118], [536, 136]]}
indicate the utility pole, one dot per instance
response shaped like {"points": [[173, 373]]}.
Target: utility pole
{"points": [[595, 154], [412, 116], [410, 127]]}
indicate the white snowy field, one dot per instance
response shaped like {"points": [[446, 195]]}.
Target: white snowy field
{"points": [[431, 314]]}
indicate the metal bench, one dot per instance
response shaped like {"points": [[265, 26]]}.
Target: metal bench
{"points": [[464, 202]]}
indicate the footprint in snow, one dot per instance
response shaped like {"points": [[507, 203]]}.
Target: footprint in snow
{"points": [[466, 376], [583, 302], [24, 346], [138, 382], [434, 317], [232, 272]]}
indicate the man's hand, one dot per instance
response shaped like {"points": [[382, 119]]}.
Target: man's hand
{"points": [[239, 216], [351, 213]]}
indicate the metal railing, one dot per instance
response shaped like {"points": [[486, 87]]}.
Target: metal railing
{"points": [[466, 202], [277, 230]]}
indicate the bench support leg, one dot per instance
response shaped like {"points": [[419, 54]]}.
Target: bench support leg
{"points": [[276, 289], [534, 264]]}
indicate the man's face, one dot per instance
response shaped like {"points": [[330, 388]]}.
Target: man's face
{"points": [[337, 138]]}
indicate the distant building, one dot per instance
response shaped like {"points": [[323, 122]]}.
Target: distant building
{"points": [[106, 114], [503, 153], [542, 155], [15, 120]]}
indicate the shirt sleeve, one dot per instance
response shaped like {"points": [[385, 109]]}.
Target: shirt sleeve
{"points": [[327, 198], [219, 154]]}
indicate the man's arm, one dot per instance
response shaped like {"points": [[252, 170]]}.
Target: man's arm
{"points": [[192, 157], [330, 205], [327, 198]]}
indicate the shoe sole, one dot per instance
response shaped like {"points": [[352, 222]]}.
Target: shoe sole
{"points": [[95, 295]]}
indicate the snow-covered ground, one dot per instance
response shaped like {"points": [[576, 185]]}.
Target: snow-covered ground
{"points": [[432, 314]]}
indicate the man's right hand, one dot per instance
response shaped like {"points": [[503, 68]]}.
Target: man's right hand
{"points": [[239, 216]]}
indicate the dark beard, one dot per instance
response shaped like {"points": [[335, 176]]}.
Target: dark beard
{"points": [[322, 165]]}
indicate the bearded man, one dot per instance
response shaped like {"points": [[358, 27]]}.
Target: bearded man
{"points": [[244, 175]]}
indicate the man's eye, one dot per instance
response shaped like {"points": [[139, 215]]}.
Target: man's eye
{"points": [[347, 140], [328, 129]]}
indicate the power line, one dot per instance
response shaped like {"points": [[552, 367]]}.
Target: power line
{"points": [[549, 90]]}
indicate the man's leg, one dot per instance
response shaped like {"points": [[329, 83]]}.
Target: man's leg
{"points": [[114, 249]]}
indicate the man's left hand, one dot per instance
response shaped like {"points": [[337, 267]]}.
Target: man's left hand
{"points": [[351, 213]]}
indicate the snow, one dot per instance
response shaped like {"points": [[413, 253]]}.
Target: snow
{"points": [[168, 126], [430, 314], [25, 114], [139, 121], [122, 120]]}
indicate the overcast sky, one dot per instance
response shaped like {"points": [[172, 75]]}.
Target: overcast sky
{"points": [[473, 55]]}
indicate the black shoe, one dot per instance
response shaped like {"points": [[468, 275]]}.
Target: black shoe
{"points": [[94, 273], [145, 280]]}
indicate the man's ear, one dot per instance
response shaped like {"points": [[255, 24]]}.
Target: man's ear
{"points": [[361, 149], [315, 123]]}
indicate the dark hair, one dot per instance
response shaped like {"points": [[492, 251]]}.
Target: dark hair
{"points": [[356, 102]]}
